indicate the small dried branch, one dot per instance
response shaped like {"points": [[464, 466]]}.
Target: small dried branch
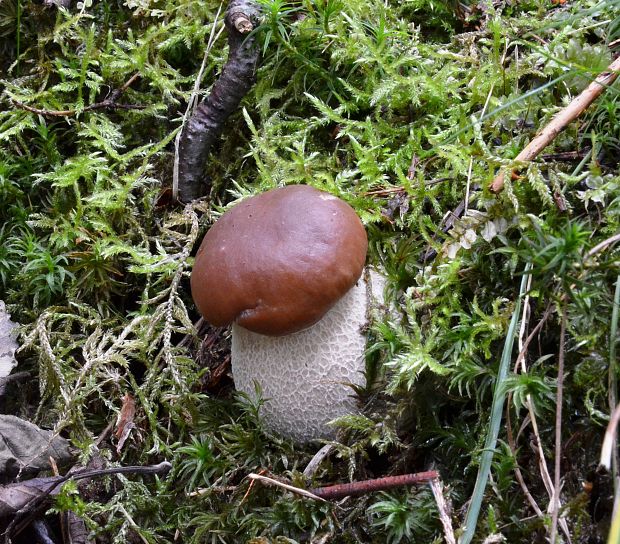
{"points": [[110, 103], [540, 454], [566, 155], [355, 489], [561, 121], [206, 122], [609, 439], [193, 99], [385, 191], [531, 336]]}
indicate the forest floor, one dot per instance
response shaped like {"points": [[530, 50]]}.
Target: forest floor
{"points": [[497, 367]]}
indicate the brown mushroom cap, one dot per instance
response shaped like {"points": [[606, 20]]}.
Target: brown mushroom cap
{"points": [[277, 262]]}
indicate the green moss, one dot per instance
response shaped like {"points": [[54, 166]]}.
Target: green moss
{"points": [[401, 109]]}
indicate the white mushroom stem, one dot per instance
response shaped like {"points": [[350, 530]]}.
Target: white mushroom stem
{"points": [[306, 378]]}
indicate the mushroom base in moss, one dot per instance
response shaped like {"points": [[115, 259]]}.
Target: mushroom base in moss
{"points": [[306, 377]]}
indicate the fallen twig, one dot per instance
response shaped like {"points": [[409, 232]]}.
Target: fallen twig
{"points": [[518, 474], [612, 377], [561, 121], [537, 442], [609, 439], [207, 120], [530, 337], [523, 347], [193, 99], [355, 489], [108, 104], [566, 155]]}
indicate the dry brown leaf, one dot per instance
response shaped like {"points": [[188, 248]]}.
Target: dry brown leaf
{"points": [[26, 448], [124, 422]]}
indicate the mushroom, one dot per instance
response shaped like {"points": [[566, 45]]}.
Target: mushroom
{"points": [[284, 267]]}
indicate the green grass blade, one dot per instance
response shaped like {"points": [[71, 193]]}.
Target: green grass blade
{"points": [[608, 453], [497, 408], [614, 531], [613, 373]]}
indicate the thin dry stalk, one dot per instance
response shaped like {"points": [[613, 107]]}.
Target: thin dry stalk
{"points": [[132, 523], [603, 245], [523, 349], [291, 488], [251, 486], [542, 464], [523, 345], [518, 473], [316, 461], [610, 438], [558, 429], [468, 188], [353, 489], [612, 378], [561, 121], [437, 488]]}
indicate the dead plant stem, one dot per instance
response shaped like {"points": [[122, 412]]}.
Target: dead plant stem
{"points": [[558, 428], [444, 509]]}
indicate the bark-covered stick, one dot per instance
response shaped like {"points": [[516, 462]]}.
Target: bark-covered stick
{"points": [[235, 81], [562, 120], [355, 489]]}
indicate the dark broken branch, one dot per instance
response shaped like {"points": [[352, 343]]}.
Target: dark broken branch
{"points": [[235, 81], [24, 500]]}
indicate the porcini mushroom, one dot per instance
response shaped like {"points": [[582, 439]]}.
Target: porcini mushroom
{"points": [[284, 267]]}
